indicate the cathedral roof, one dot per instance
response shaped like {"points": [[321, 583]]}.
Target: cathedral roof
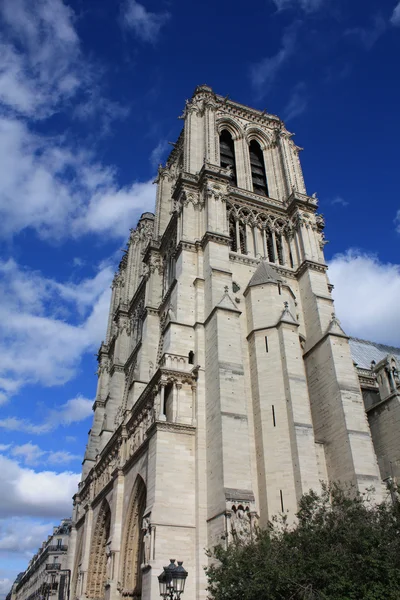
{"points": [[364, 352], [264, 273]]}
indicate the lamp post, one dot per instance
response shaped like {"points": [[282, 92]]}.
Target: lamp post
{"points": [[172, 581]]}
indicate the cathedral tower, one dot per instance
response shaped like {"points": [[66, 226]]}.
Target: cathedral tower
{"points": [[226, 388]]}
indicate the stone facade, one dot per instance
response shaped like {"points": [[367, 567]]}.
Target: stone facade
{"points": [[378, 368], [46, 576], [226, 385]]}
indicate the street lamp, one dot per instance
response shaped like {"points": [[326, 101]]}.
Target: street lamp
{"points": [[172, 581]]}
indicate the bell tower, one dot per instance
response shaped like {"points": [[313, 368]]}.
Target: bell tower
{"points": [[226, 384]]}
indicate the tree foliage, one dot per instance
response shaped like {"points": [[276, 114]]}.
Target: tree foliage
{"points": [[342, 547]]}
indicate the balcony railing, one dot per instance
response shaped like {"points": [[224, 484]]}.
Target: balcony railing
{"points": [[53, 566], [57, 548]]}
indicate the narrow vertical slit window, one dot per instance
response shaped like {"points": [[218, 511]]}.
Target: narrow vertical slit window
{"points": [[282, 507], [291, 257], [232, 233], [258, 174], [273, 415], [242, 237], [270, 246], [279, 248], [266, 344], [227, 153]]}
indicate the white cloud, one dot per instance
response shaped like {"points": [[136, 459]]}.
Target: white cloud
{"points": [[46, 326], [395, 20], [73, 411], [366, 296], [263, 73], [5, 586], [158, 153], [26, 492], [40, 56], [23, 535], [30, 453], [113, 210], [146, 25], [62, 192], [297, 103], [306, 5]]}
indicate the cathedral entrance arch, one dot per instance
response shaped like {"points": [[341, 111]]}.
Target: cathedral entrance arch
{"points": [[97, 574], [132, 552]]}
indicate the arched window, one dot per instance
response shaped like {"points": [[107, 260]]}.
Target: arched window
{"points": [[227, 153], [258, 174]]}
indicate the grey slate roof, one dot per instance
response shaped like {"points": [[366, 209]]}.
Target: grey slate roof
{"points": [[264, 274], [364, 352]]}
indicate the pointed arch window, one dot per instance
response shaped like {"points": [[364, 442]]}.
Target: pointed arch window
{"points": [[227, 153], [258, 174]]}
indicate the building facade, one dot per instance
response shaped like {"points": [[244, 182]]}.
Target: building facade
{"points": [[226, 385], [46, 577]]}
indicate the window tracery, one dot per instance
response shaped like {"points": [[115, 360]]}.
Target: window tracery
{"points": [[260, 234]]}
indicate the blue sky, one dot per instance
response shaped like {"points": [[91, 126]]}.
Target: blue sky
{"points": [[90, 92]]}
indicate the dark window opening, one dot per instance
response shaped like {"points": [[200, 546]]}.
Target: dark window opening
{"points": [[168, 396], [279, 248], [191, 357], [266, 344], [242, 238], [282, 507], [291, 259], [227, 153], [258, 174], [273, 415], [232, 233], [270, 246]]}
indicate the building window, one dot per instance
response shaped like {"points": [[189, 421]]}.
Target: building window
{"points": [[227, 153], [232, 233], [258, 174]]}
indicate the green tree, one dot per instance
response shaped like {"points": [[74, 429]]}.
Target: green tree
{"points": [[342, 547]]}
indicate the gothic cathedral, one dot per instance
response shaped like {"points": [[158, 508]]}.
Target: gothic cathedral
{"points": [[226, 385]]}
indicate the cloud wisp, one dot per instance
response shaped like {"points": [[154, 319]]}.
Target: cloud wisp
{"points": [[298, 102], [263, 73], [368, 36], [395, 19], [145, 24], [339, 201], [307, 6]]}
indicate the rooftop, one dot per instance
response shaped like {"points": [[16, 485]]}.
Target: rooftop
{"points": [[364, 352]]}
